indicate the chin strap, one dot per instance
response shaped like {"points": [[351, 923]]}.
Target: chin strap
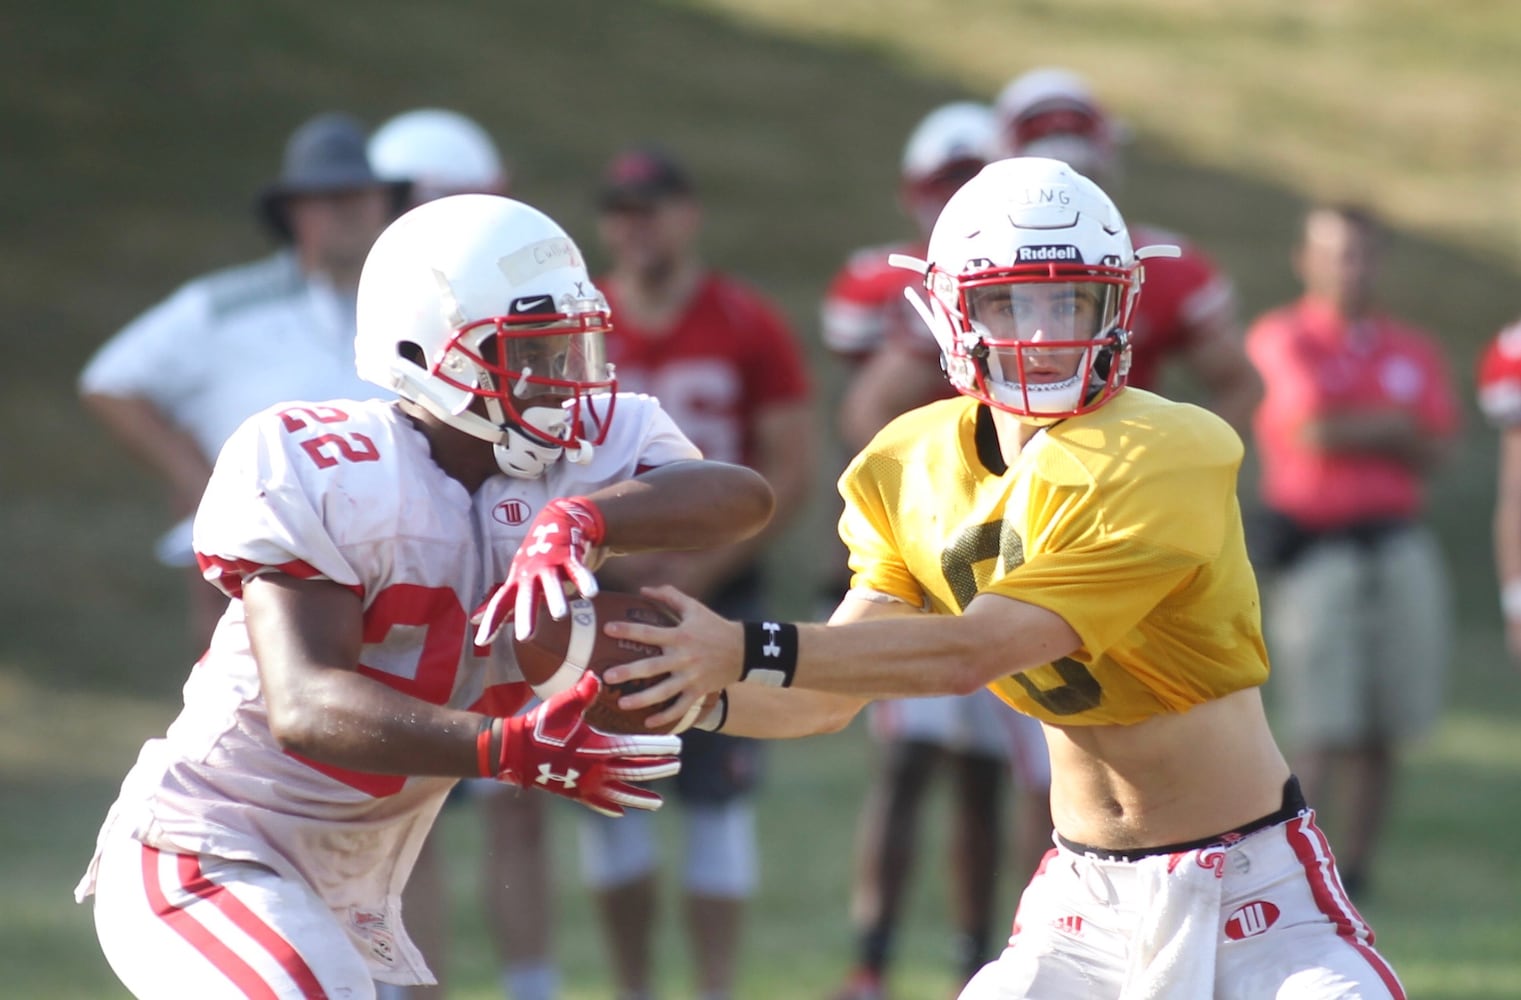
{"points": [[527, 458]]}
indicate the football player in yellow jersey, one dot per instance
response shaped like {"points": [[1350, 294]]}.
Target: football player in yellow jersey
{"points": [[1076, 546]]}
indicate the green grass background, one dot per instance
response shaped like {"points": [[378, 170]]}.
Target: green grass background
{"points": [[136, 135]]}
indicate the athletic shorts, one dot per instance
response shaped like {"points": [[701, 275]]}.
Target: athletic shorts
{"points": [[186, 925], [1263, 915], [717, 767], [979, 724], [1359, 635]]}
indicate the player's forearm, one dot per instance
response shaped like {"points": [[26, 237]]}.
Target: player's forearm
{"points": [[1392, 434], [771, 713], [787, 458], [905, 656], [1235, 397], [1507, 523], [345, 719], [156, 442], [685, 505]]}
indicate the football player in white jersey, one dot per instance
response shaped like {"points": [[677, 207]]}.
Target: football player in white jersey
{"points": [[260, 847], [1076, 546]]}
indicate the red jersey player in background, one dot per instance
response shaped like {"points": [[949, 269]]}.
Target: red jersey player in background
{"points": [[1500, 399], [727, 368], [1189, 311], [894, 367]]}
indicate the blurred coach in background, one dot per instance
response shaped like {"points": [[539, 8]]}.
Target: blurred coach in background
{"points": [[175, 383], [1358, 411]]}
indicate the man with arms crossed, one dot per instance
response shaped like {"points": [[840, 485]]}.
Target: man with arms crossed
{"points": [[261, 847], [1076, 546]]}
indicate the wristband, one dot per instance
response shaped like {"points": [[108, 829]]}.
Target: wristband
{"points": [[714, 718], [483, 748], [1510, 600], [770, 653]]}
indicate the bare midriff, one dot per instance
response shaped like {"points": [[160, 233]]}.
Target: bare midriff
{"points": [[1169, 780]]}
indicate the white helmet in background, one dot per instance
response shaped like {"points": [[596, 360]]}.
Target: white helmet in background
{"points": [[479, 309], [1053, 113], [441, 152], [1032, 283], [945, 150]]}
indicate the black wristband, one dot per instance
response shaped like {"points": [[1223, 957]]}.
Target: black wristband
{"points": [[770, 653]]}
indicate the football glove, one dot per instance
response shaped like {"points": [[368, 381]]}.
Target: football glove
{"points": [[553, 555], [552, 747]]}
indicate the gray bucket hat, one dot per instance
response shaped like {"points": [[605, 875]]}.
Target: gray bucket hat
{"points": [[326, 155]]}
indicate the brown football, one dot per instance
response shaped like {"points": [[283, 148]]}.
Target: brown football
{"points": [[556, 652]]}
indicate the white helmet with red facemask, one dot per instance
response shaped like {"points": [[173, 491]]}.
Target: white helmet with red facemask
{"points": [[1052, 112], [479, 309], [1032, 283], [945, 150]]}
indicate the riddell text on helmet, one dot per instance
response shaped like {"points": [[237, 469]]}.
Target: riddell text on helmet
{"points": [[1061, 251]]}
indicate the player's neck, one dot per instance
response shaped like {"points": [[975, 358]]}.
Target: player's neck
{"points": [[653, 298], [1013, 434], [466, 459]]}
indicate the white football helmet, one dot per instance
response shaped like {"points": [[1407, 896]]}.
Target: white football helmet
{"points": [[945, 150], [1053, 113], [479, 309], [440, 152], [1032, 283]]}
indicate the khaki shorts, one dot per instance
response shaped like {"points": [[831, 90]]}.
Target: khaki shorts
{"points": [[1359, 637]]}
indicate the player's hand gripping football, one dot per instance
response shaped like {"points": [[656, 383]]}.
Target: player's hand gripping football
{"points": [[552, 747], [699, 656], [554, 554]]}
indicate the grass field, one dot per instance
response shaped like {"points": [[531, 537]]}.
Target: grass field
{"points": [[137, 135]]}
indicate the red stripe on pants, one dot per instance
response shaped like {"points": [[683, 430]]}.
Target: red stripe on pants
{"points": [[1314, 854], [238, 972]]}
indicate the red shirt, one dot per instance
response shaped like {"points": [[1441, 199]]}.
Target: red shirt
{"points": [[865, 306], [1179, 300], [729, 356], [1314, 364], [1500, 378]]}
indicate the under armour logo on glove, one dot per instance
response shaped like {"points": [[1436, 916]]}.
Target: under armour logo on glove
{"points": [[562, 537], [567, 780], [554, 748]]}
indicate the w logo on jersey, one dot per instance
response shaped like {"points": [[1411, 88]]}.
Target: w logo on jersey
{"points": [[511, 512], [1251, 919]]}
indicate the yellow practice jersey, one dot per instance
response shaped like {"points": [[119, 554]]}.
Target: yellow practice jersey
{"points": [[1123, 521]]}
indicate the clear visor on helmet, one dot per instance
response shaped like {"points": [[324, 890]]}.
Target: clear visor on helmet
{"points": [[538, 359], [1039, 340], [550, 363], [1053, 314]]}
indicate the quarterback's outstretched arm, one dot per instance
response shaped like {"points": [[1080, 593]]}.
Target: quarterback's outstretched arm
{"points": [[876, 656]]}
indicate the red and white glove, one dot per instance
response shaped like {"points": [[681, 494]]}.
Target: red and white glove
{"points": [[554, 554], [552, 747]]}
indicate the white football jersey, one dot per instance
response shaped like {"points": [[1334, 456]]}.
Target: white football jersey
{"points": [[347, 491]]}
